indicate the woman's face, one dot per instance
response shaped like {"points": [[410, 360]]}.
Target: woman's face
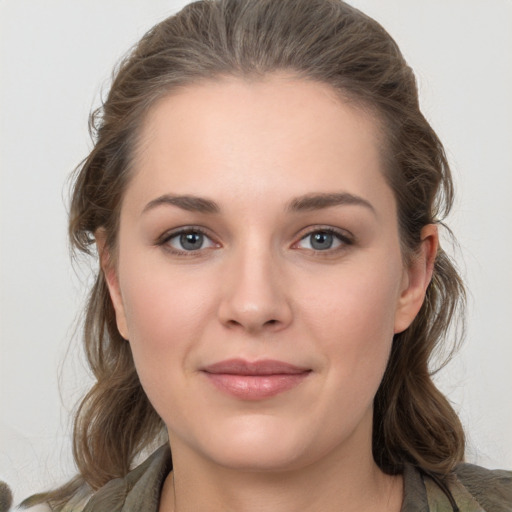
{"points": [[259, 278]]}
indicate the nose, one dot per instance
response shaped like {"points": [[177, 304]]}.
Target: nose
{"points": [[255, 296]]}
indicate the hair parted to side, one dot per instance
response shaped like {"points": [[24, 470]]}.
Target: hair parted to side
{"points": [[323, 40]]}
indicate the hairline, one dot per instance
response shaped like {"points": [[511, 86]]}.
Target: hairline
{"points": [[382, 132]]}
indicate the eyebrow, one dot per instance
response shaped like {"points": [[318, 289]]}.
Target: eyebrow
{"points": [[307, 202], [320, 201], [189, 203]]}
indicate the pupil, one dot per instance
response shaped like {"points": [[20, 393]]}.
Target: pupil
{"points": [[191, 241], [322, 240]]}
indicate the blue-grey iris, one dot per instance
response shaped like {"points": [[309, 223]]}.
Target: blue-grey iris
{"points": [[191, 241], [322, 240]]}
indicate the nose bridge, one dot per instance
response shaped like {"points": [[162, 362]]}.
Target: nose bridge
{"points": [[254, 293]]}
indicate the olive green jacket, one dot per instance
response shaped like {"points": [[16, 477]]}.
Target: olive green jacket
{"points": [[471, 489]]}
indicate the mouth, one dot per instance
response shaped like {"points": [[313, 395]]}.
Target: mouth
{"points": [[256, 380]]}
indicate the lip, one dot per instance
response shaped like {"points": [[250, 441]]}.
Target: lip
{"points": [[255, 380]]}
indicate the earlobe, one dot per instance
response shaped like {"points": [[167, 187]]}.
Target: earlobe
{"points": [[111, 278], [417, 277]]}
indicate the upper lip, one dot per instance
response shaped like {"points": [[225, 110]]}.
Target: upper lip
{"points": [[263, 367]]}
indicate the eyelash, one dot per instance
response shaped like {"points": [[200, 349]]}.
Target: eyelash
{"points": [[344, 239], [167, 237]]}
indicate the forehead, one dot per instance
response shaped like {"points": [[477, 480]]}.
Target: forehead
{"points": [[274, 137]]}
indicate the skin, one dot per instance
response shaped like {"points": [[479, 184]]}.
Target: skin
{"points": [[258, 288]]}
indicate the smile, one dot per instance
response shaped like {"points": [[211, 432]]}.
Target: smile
{"points": [[254, 380]]}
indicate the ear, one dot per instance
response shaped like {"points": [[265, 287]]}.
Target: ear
{"points": [[111, 278], [416, 278]]}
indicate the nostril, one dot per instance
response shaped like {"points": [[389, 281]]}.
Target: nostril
{"points": [[269, 324]]}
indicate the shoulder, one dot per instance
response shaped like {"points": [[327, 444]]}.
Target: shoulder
{"points": [[492, 489], [76, 502], [138, 491], [468, 488]]}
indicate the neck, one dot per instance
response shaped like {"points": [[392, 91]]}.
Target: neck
{"points": [[352, 483]]}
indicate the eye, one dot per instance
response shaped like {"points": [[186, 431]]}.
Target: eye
{"points": [[324, 240], [187, 241]]}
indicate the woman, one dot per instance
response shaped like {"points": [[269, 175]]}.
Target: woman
{"points": [[265, 195]]}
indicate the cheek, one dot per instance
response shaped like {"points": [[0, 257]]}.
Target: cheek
{"points": [[352, 318], [166, 313], [354, 302]]}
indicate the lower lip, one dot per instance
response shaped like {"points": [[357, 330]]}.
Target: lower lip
{"points": [[255, 387]]}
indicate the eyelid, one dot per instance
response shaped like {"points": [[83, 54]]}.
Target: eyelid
{"points": [[344, 237], [164, 239]]}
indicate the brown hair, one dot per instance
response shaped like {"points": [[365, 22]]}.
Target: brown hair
{"points": [[324, 40]]}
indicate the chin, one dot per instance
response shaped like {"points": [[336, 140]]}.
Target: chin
{"points": [[259, 444], [270, 456]]}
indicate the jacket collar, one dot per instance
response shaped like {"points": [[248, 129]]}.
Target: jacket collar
{"points": [[140, 489]]}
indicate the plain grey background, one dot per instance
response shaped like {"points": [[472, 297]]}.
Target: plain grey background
{"points": [[55, 59]]}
